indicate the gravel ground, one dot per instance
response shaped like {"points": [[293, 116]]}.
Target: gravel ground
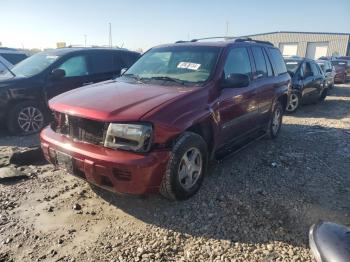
{"points": [[255, 206]]}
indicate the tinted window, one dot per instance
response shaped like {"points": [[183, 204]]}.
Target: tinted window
{"points": [[306, 68], [238, 62], [260, 64], [277, 61], [2, 68], [128, 59], [101, 62], [314, 69], [268, 64], [75, 66], [14, 58]]}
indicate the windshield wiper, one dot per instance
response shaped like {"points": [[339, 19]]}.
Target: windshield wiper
{"points": [[167, 78], [136, 77]]}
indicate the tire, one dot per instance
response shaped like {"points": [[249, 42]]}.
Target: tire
{"points": [[177, 184], [294, 102], [26, 118], [323, 94], [275, 123]]}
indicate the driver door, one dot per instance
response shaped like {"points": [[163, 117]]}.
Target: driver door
{"points": [[76, 75], [238, 107]]}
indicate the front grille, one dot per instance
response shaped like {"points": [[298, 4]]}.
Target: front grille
{"points": [[80, 129]]}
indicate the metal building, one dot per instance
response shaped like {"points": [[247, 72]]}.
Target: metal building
{"points": [[308, 44]]}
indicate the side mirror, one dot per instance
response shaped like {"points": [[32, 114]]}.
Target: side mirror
{"points": [[235, 81], [58, 73], [123, 71]]}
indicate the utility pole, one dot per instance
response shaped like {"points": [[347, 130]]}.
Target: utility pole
{"points": [[110, 35], [85, 37], [227, 25]]}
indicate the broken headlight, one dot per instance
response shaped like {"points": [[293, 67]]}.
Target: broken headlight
{"points": [[131, 137]]}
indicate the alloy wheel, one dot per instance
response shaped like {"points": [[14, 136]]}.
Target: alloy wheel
{"points": [[276, 120], [190, 168], [30, 119], [293, 102]]}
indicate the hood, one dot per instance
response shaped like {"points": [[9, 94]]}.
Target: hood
{"points": [[115, 101], [8, 81]]}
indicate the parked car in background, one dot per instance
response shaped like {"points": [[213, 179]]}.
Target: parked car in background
{"points": [[155, 128], [308, 82], [347, 58], [25, 90], [4, 66], [341, 70], [329, 72], [12, 55]]}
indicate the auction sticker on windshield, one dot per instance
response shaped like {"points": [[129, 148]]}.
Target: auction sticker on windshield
{"points": [[188, 65]]}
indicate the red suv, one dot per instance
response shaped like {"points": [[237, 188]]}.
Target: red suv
{"points": [[180, 105]]}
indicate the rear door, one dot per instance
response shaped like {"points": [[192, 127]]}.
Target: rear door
{"points": [[318, 80], [77, 75], [102, 65], [307, 81], [238, 107], [263, 81]]}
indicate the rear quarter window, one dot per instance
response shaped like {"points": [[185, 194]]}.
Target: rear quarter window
{"points": [[277, 61]]}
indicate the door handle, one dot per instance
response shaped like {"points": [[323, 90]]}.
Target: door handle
{"points": [[87, 83]]}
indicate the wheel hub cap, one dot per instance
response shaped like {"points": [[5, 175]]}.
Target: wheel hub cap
{"points": [[276, 121], [190, 168], [30, 119], [293, 102]]}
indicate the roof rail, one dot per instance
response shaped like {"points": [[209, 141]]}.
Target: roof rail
{"points": [[252, 40], [204, 38], [91, 46]]}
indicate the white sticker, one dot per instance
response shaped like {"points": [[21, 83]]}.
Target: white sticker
{"points": [[188, 65], [292, 63]]}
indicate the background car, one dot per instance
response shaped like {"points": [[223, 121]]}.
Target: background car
{"points": [[308, 82], [347, 58], [12, 55], [4, 65], [329, 72], [340, 70], [25, 90]]}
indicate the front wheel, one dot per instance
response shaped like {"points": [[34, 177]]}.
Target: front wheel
{"points": [[186, 167], [294, 102], [323, 94], [275, 123], [25, 118]]}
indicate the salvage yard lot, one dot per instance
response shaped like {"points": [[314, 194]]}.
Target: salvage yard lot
{"points": [[255, 206]]}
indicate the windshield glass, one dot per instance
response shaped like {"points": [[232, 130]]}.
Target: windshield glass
{"points": [[33, 65], [292, 66], [177, 64], [339, 64]]}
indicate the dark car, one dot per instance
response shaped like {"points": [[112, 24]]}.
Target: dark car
{"points": [[180, 105], [26, 88], [329, 72], [347, 59], [308, 82], [340, 70], [12, 55]]}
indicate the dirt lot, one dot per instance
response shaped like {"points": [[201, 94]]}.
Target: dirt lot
{"points": [[254, 206]]}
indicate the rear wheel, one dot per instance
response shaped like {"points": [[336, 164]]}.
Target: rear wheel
{"points": [[294, 102], [186, 167], [323, 94], [25, 118], [275, 123]]}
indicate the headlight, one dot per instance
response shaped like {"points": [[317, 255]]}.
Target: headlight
{"points": [[132, 137]]}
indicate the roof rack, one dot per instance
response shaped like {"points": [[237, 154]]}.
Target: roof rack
{"points": [[226, 38], [92, 46], [252, 40]]}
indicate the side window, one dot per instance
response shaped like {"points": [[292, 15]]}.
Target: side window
{"points": [[75, 66], [277, 61], [314, 69], [306, 70], [2, 68], [237, 62], [260, 64], [127, 59], [268, 64], [101, 62]]}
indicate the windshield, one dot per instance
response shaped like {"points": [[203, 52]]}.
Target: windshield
{"points": [[33, 65], [292, 66], [339, 64], [321, 65], [176, 64]]}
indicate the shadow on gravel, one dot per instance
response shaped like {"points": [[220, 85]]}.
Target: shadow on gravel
{"points": [[248, 199]]}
